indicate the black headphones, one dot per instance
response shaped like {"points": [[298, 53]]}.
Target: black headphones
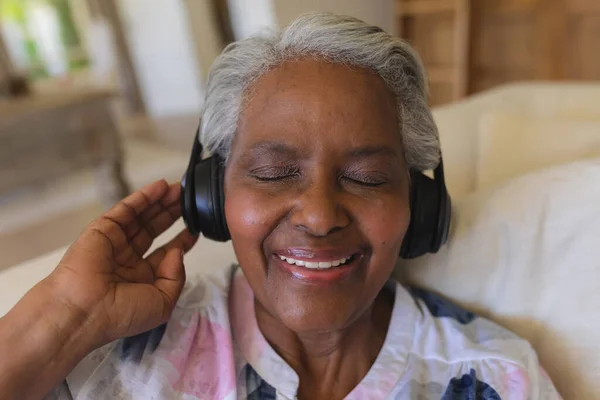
{"points": [[203, 204]]}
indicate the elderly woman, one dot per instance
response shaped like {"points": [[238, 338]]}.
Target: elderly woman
{"points": [[315, 132]]}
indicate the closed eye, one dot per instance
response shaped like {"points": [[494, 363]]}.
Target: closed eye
{"points": [[368, 174], [274, 173], [366, 180]]}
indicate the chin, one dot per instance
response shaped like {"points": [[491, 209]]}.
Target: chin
{"points": [[306, 316]]}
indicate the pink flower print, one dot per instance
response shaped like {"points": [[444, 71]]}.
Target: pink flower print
{"points": [[243, 320], [202, 355], [517, 384]]}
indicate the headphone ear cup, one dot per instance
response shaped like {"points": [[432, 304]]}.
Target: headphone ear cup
{"points": [[443, 224], [209, 200], [405, 250], [188, 202], [425, 213], [218, 182]]}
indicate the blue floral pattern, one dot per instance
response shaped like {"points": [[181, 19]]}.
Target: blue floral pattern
{"points": [[440, 307], [133, 348], [256, 387], [468, 387]]}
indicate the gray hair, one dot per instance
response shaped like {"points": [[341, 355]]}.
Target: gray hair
{"points": [[333, 38]]}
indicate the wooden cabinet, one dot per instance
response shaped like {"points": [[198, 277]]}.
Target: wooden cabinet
{"points": [[49, 136], [511, 40]]}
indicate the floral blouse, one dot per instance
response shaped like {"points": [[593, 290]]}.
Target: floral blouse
{"points": [[212, 348]]}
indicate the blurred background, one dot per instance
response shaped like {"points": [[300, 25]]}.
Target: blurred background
{"points": [[98, 97]]}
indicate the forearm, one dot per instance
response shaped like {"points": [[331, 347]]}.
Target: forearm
{"points": [[40, 343]]}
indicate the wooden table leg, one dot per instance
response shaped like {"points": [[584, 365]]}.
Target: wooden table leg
{"points": [[111, 184]]}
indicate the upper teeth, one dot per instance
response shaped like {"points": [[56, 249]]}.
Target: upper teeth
{"points": [[314, 265]]}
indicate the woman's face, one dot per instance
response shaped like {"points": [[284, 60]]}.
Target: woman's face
{"points": [[317, 176]]}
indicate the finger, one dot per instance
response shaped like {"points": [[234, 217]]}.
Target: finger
{"points": [[183, 241], [127, 210], [145, 270], [167, 206], [126, 218], [93, 243], [123, 252], [170, 278], [170, 198], [111, 232], [151, 223], [142, 241], [117, 221], [138, 272], [155, 221]]}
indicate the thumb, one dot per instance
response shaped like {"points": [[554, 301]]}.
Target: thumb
{"points": [[169, 279]]}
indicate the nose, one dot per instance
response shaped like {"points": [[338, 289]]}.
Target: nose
{"points": [[319, 210]]}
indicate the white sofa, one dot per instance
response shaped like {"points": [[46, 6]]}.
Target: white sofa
{"points": [[523, 167], [460, 123], [488, 221]]}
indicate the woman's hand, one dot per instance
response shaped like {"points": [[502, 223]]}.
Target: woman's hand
{"points": [[106, 279], [103, 289]]}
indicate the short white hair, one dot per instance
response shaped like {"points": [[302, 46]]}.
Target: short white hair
{"points": [[332, 38]]}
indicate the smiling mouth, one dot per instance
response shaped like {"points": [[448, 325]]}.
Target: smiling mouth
{"points": [[319, 264]]}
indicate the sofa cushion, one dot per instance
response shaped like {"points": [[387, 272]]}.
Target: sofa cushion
{"points": [[510, 145]]}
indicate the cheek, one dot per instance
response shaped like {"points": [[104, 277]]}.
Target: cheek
{"points": [[247, 221], [247, 226], [386, 225], [251, 218]]}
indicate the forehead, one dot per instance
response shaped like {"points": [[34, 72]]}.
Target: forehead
{"points": [[313, 102]]}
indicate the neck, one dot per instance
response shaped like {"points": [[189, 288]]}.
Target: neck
{"points": [[330, 364]]}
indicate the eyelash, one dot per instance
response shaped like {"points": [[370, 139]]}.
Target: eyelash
{"points": [[365, 181], [274, 174], [279, 174]]}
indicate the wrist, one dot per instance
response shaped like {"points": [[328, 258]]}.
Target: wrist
{"points": [[66, 323], [43, 341]]}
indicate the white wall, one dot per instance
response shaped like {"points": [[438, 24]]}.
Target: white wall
{"points": [[251, 16], [205, 34], [163, 53], [174, 42], [376, 12]]}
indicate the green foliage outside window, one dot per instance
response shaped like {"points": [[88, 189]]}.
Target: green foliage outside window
{"points": [[16, 12]]}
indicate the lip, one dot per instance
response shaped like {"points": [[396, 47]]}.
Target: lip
{"points": [[318, 276], [316, 255]]}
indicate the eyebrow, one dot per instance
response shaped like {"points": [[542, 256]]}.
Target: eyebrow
{"points": [[261, 148], [369, 151]]}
